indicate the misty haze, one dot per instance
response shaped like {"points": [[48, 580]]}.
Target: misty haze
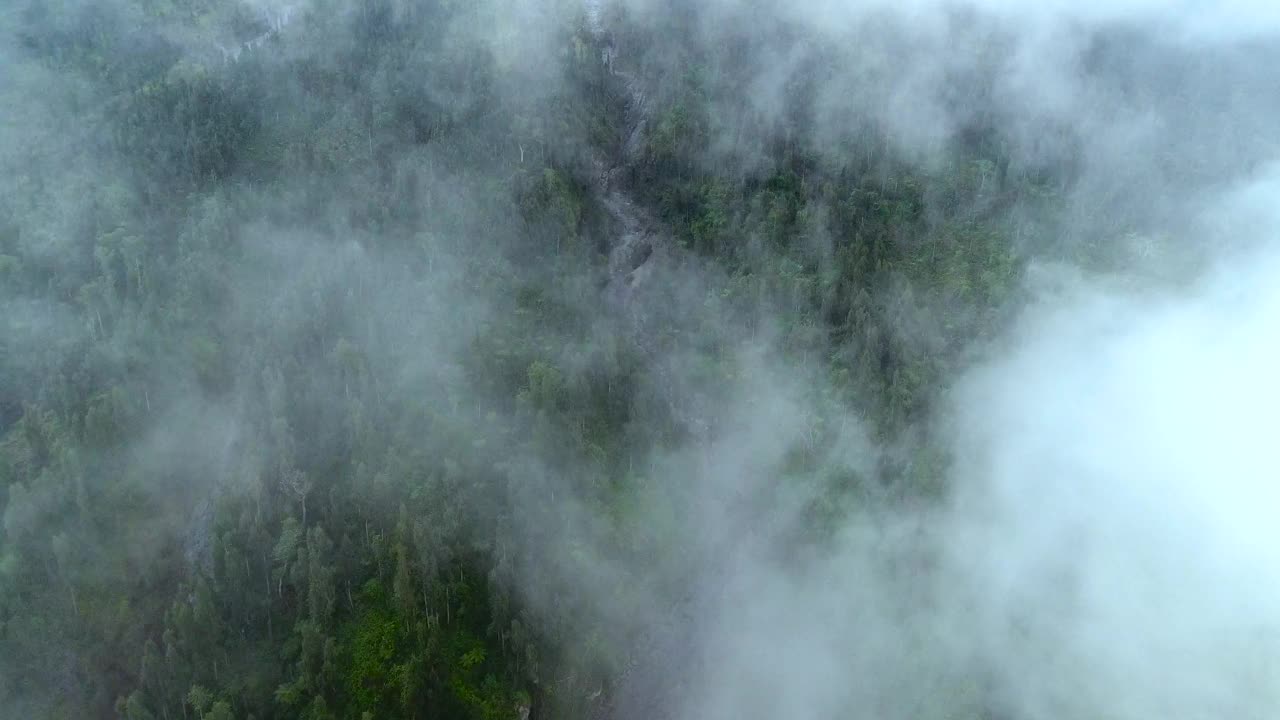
{"points": [[639, 359]]}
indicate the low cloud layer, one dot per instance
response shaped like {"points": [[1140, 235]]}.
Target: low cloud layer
{"points": [[1109, 549], [1115, 498], [674, 485]]}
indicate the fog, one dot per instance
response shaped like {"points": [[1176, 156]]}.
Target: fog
{"points": [[1106, 549], [407, 318], [1115, 479]]}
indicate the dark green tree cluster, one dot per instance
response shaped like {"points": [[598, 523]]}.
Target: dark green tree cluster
{"points": [[294, 382]]}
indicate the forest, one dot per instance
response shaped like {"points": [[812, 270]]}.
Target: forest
{"points": [[565, 360]]}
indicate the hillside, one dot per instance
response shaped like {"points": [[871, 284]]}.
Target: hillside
{"points": [[635, 360]]}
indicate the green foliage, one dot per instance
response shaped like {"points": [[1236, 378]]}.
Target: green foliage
{"points": [[374, 648], [554, 206], [259, 456]]}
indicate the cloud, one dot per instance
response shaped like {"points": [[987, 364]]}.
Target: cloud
{"points": [[1109, 549], [1112, 517]]}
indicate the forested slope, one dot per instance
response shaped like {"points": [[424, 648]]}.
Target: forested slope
{"points": [[446, 359]]}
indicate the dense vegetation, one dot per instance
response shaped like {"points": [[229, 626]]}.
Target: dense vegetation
{"points": [[304, 367]]}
